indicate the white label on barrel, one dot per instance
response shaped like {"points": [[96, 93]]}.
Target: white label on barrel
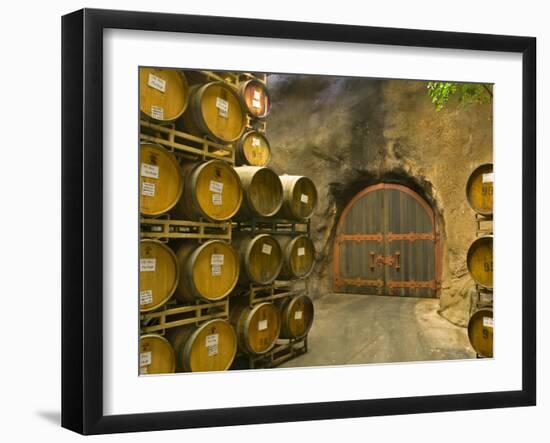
{"points": [[255, 141], [150, 171], [298, 315], [304, 198], [223, 107], [148, 189], [488, 178], [145, 358], [216, 270], [147, 264], [266, 249], [262, 325], [157, 112], [143, 370], [216, 186], [157, 83], [145, 297], [217, 199], [212, 344], [487, 322], [216, 259], [301, 251], [257, 94], [257, 104]]}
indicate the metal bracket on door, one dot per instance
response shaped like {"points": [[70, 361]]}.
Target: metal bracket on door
{"points": [[390, 260]]}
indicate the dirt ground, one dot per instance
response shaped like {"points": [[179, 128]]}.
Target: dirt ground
{"points": [[355, 329]]}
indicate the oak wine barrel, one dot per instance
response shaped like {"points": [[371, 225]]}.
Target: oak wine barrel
{"points": [[163, 93], [296, 316], [208, 271], [156, 355], [260, 256], [158, 274], [262, 192], [257, 327], [298, 256], [212, 192], [160, 180], [215, 111], [480, 261], [210, 346], [255, 97], [253, 149], [300, 197], [480, 331], [479, 189]]}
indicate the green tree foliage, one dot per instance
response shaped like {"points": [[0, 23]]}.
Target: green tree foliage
{"points": [[467, 93]]}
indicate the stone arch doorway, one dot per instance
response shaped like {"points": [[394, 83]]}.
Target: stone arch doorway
{"points": [[388, 243]]}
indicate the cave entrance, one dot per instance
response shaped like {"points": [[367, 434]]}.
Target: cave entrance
{"points": [[387, 242]]}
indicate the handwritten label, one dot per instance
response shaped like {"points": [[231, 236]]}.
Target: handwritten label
{"points": [[223, 107], [216, 270], [217, 259], [255, 141], [145, 358], [488, 178], [304, 198], [216, 186], [262, 325], [157, 112], [257, 94], [487, 322], [145, 297], [217, 199], [150, 171], [301, 251], [212, 341], [298, 315], [148, 189], [147, 264], [257, 104], [157, 83], [266, 249]]}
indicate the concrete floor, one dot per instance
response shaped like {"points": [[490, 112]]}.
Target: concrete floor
{"points": [[355, 329]]}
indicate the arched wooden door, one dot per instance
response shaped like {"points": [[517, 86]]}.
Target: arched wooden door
{"points": [[387, 242]]}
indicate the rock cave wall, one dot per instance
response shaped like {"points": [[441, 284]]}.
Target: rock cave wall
{"points": [[348, 133]]}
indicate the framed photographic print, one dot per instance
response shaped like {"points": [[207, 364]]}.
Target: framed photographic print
{"points": [[271, 221]]}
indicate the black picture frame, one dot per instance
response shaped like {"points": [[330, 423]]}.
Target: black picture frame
{"points": [[82, 218]]}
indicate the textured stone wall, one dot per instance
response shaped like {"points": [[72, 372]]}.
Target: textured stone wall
{"points": [[347, 133]]}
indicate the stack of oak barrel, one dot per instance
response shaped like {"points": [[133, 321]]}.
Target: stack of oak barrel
{"points": [[479, 193], [216, 180]]}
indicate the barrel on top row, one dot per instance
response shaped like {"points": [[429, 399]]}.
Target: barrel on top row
{"points": [[479, 190], [215, 191], [210, 271], [215, 110]]}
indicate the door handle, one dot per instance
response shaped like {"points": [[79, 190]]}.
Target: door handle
{"points": [[397, 260], [372, 261]]}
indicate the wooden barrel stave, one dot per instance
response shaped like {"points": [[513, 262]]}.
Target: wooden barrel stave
{"points": [[156, 355], [296, 316], [210, 346], [260, 258], [213, 192], [257, 327], [299, 197], [163, 93], [479, 261], [252, 149], [298, 256], [160, 180], [479, 190], [262, 192], [480, 331], [215, 111], [208, 271], [158, 276]]}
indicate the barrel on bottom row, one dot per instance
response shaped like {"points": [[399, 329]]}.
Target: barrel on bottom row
{"points": [[212, 346], [480, 331]]}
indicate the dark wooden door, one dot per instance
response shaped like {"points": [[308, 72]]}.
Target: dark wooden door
{"points": [[387, 243]]}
